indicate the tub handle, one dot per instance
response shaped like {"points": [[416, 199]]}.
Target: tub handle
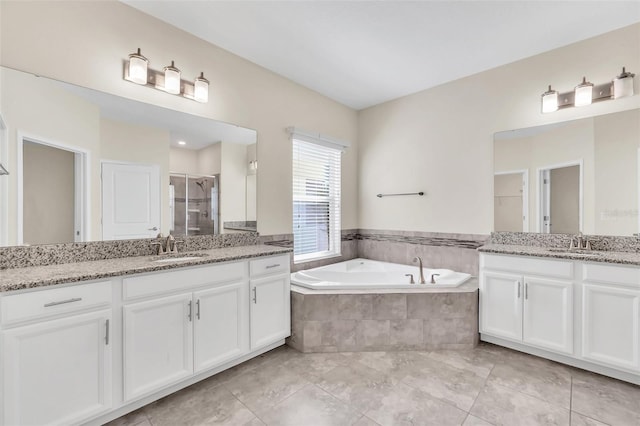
{"points": [[411, 280], [433, 279]]}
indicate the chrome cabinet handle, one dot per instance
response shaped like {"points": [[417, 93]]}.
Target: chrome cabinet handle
{"points": [[62, 302], [526, 290], [272, 266], [255, 295], [106, 334], [518, 289], [190, 316], [155, 228], [198, 309]]}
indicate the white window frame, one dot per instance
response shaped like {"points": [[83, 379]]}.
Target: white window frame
{"points": [[316, 145]]}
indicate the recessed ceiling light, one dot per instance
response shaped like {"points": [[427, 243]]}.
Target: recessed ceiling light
{"points": [[182, 143]]}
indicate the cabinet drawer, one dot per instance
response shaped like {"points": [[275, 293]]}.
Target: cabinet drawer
{"points": [[182, 279], [611, 274], [47, 303], [528, 265], [269, 265]]}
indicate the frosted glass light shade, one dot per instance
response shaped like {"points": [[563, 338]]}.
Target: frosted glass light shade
{"points": [[138, 68], [549, 101], [583, 93], [172, 79], [623, 85], [201, 89]]}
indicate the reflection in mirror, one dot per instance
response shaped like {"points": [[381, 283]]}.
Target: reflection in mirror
{"points": [[86, 165], [579, 175]]}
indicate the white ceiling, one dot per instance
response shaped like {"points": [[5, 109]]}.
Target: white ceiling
{"points": [[362, 53]]}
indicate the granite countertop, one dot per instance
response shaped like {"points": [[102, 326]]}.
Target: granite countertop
{"points": [[618, 257], [40, 276]]}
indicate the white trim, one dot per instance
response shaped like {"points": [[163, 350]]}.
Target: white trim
{"points": [[4, 184], [539, 172], [317, 138], [82, 192], [525, 194], [637, 233]]}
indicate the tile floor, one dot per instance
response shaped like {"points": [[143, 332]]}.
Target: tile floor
{"points": [[488, 385]]}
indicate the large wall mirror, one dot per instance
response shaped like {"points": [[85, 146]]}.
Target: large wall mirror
{"points": [[580, 175], [86, 165]]}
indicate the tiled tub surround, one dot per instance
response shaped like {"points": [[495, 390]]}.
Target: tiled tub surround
{"points": [[437, 250], [355, 321], [54, 254]]}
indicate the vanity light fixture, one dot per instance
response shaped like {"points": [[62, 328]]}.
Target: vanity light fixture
{"points": [[172, 79], [201, 89], [168, 80], [138, 68], [550, 100], [586, 93], [623, 84]]}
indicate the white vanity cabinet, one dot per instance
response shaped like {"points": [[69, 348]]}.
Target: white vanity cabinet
{"points": [[611, 315], [270, 300], [198, 321], [56, 354], [527, 300], [581, 313]]}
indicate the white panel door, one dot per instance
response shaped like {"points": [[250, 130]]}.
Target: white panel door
{"points": [[221, 326], [501, 305], [548, 314], [130, 201], [158, 344], [57, 372], [270, 310], [611, 325]]}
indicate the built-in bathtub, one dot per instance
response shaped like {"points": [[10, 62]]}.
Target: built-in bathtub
{"points": [[364, 305], [371, 274]]}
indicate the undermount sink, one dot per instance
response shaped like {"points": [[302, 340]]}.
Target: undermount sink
{"points": [[180, 258], [579, 252]]}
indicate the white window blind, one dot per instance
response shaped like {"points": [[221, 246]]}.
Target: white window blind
{"points": [[316, 200]]}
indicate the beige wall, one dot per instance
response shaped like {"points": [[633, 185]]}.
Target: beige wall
{"points": [[441, 140], [209, 159], [617, 179], [233, 174], [508, 202], [565, 200], [48, 195], [86, 43]]}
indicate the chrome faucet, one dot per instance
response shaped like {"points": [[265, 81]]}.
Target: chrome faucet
{"points": [[581, 243], [166, 245], [417, 259]]}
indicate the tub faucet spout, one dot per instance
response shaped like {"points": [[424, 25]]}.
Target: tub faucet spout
{"points": [[419, 260]]}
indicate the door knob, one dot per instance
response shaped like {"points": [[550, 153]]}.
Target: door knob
{"points": [[155, 228]]}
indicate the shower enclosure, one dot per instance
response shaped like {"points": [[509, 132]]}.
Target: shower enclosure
{"points": [[194, 204]]}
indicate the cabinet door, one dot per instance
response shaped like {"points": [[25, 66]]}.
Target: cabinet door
{"points": [[501, 305], [221, 326], [158, 344], [610, 325], [57, 372], [270, 310], [548, 314]]}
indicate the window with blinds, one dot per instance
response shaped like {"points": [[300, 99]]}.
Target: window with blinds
{"points": [[316, 201]]}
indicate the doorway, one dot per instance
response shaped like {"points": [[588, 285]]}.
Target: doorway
{"points": [[511, 201], [52, 192], [560, 198]]}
